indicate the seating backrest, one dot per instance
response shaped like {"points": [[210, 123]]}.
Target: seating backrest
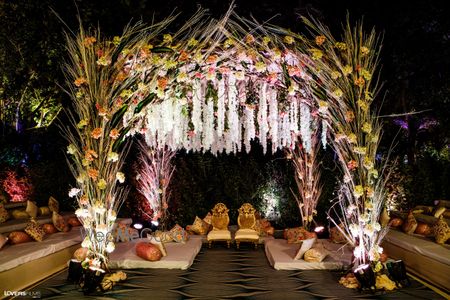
{"points": [[246, 218], [220, 218]]}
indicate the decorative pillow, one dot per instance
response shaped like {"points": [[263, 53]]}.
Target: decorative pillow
{"points": [[3, 214], [384, 218], [315, 255], [59, 222], [19, 214], [163, 236], [336, 235], [306, 245], [178, 234], [158, 244], [80, 254], [439, 211], [19, 237], [74, 222], [411, 224], [53, 204], [199, 226], [32, 209], [35, 230], [124, 233], [208, 219], [148, 251], [441, 231], [396, 222], [49, 228], [3, 240], [298, 234], [423, 229], [44, 211]]}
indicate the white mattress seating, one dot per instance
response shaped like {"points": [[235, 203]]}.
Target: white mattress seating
{"points": [[20, 224], [179, 256], [12, 256], [281, 255]]}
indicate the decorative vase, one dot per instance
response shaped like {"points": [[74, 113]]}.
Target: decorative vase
{"points": [[75, 271], [365, 276], [92, 281], [397, 272]]}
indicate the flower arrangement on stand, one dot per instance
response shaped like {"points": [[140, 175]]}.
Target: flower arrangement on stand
{"points": [[345, 78], [307, 178], [101, 76], [154, 175]]}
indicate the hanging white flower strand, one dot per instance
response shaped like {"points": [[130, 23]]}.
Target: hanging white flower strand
{"points": [[305, 126]]}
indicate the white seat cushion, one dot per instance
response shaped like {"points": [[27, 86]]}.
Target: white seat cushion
{"points": [[246, 234], [219, 235]]}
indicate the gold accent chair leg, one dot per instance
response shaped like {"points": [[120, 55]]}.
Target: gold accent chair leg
{"points": [[209, 244], [237, 245], [228, 244], [256, 246]]}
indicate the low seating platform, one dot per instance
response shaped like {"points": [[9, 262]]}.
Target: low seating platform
{"points": [[281, 255], [179, 256]]}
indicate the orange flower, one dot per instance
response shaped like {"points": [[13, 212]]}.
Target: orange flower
{"points": [[320, 40], [89, 41], [249, 39], [184, 56], [101, 110], [96, 133], [121, 76], [349, 116], [360, 82], [162, 83], [93, 173], [114, 134], [211, 59], [351, 165], [80, 81], [90, 155], [84, 200]]}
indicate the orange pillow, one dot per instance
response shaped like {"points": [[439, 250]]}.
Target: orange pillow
{"points": [[148, 251], [74, 222], [49, 228], [19, 237]]}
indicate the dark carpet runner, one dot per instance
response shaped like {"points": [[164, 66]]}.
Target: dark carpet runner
{"points": [[221, 273]]}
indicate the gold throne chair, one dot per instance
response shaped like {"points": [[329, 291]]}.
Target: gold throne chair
{"points": [[247, 222], [219, 221]]}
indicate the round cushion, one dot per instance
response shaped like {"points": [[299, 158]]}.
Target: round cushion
{"points": [[148, 251], [19, 214], [18, 237], [423, 229], [49, 228], [80, 254], [74, 222], [396, 222]]}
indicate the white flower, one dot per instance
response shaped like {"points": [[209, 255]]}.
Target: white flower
{"points": [[86, 243], [354, 230], [369, 230], [120, 177], [100, 209], [73, 192], [377, 226], [71, 149], [112, 156], [112, 215], [110, 247], [82, 213]]}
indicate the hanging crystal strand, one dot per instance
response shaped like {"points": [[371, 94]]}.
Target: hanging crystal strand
{"points": [[220, 107], [286, 131], [184, 133], [273, 118], [250, 131], [233, 116], [305, 126], [262, 116], [228, 142], [324, 134], [293, 115], [197, 107], [177, 121], [208, 126]]}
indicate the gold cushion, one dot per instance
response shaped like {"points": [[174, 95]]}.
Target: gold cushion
{"points": [[219, 235], [199, 226], [59, 222], [32, 209], [124, 233], [246, 234], [53, 204], [439, 211], [3, 240], [315, 255], [44, 211], [384, 218], [19, 214], [4, 215], [410, 225], [163, 236], [35, 230], [441, 231], [306, 245], [298, 234], [178, 234], [336, 235], [159, 245], [208, 219]]}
